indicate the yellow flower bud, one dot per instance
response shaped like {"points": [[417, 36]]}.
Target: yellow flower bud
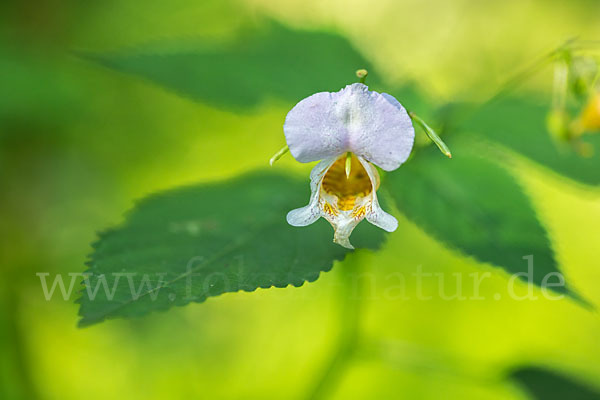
{"points": [[590, 116]]}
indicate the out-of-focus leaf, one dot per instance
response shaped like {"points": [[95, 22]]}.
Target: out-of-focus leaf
{"points": [[519, 123], [274, 62], [546, 385], [475, 206], [196, 242]]}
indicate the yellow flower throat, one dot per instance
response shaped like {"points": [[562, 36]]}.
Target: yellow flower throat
{"points": [[347, 189]]}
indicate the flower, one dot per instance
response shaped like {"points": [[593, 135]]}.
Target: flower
{"points": [[354, 128]]}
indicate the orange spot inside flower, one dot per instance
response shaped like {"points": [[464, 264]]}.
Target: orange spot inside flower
{"points": [[347, 189]]}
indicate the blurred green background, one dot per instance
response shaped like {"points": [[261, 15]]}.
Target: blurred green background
{"points": [[79, 142]]}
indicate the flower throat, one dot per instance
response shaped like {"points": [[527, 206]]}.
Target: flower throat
{"points": [[347, 189]]}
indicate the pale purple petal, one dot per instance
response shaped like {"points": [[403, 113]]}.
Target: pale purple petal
{"points": [[372, 125], [310, 213], [305, 215], [343, 230], [377, 216], [313, 130]]}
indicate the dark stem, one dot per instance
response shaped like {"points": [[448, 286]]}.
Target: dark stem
{"points": [[350, 298]]}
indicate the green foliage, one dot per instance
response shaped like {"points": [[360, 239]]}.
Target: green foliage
{"points": [[475, 206], [275, 62], [196, 242], [79, 141], [519, 123], [470, 203], [542, 384]]}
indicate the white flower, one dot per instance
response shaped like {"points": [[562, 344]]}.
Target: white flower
{"points": [[374, 128]]}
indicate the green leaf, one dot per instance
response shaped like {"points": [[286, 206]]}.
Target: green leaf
{"points": [[473, 205], [542, 384], [195, 242], [519, 123], [275, 62]]}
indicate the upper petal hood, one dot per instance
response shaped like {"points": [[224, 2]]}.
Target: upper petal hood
{"points": [[371, 125]]}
